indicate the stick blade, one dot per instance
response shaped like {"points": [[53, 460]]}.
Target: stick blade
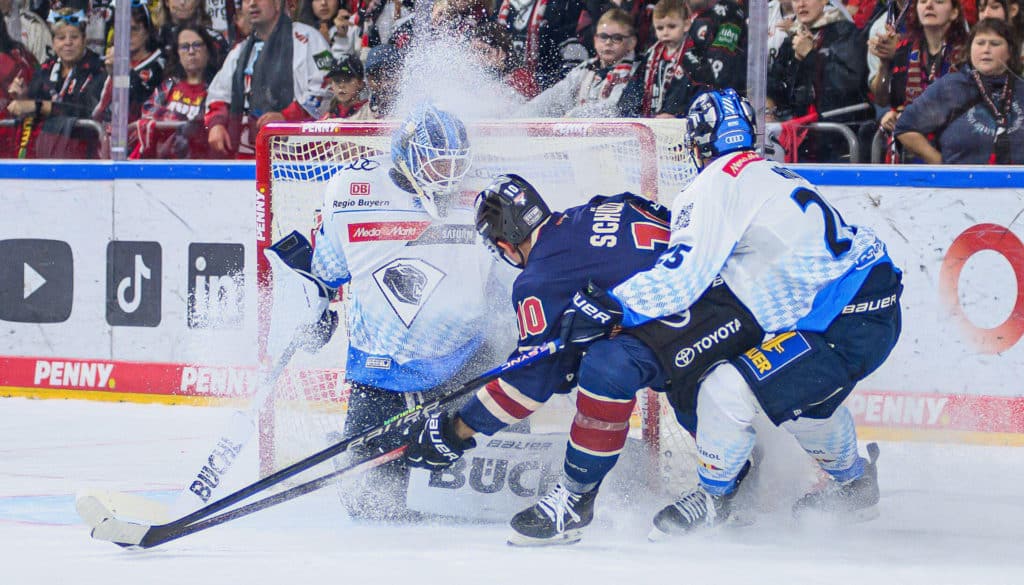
{"points": [[120, 532], [96, 505]]}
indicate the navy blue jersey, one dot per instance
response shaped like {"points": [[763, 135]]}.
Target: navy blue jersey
{"points": [[605, 241]]}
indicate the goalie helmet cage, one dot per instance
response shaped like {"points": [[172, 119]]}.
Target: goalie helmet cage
{"points": [[569, 161]]}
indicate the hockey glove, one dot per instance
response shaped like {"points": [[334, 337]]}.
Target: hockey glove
{"points": [[591, 315], [434, 444], [313, 337]]}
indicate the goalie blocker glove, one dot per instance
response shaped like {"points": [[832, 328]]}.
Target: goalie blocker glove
{"points": [[591, 315], [295, 251], [435, 444]]}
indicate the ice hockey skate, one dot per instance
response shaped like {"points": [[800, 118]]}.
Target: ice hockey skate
{"points": [[852, 501], [558, 518], [693, 510]]}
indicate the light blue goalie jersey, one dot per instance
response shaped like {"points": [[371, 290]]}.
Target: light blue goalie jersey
{"points": [[419, 287], [784, 251]]}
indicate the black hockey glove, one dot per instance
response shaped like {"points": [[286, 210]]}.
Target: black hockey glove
{"points": [[434, 444], [592, 315]]}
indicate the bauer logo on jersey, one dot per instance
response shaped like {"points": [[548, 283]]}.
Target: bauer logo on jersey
{"points": [[216, 286], [775, 354], [406, 284]]}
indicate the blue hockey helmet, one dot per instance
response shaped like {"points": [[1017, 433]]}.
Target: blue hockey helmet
{"points": [[720, 122], [431, 148]]}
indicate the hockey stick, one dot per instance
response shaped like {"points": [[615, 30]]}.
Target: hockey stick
{"points": [[262, 504], [132, 534], [211, 471]]}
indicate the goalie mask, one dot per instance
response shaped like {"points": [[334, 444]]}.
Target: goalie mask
{"points": [[508, 210], [719, 122], [431, 149]]}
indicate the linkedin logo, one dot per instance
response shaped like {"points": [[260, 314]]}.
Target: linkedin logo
{"points": [[216, 286]]}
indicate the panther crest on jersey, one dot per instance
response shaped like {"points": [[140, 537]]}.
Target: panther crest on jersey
{"points": [[406, 284]]}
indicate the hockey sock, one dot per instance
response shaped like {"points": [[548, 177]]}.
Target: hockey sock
{"points": [[832, 442], [725, 435], [596, 438]]}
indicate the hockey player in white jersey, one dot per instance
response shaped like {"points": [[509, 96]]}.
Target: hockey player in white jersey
{"points": [[828, 292], [400, 235]]}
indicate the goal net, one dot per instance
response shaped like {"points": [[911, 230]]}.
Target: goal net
{"points": [[569, 161]]}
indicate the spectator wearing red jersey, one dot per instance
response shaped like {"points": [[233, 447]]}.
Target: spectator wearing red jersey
{"points": [[276, 74], [180, 98]]}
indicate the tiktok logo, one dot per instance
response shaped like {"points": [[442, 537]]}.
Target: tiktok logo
{"points": [[216, 286], [133, 284]]}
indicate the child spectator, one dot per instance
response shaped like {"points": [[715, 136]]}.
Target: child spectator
{"points": [[383, 72], [65, 89], [346, 83], [180, 98], [660, 86], [493, 43], [593, 88]]}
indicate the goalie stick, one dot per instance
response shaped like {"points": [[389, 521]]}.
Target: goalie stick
{"points": [[135, 534], [289, 259], [203, 483]]}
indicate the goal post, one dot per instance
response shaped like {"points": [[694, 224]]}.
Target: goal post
{"points": [[568, 160]]}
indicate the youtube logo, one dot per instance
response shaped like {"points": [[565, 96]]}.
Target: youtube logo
{"points": [[36, 281]]}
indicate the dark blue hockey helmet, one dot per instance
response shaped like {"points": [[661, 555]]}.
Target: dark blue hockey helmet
{"points": [[509, 210], [431, 148], [720, 122]]}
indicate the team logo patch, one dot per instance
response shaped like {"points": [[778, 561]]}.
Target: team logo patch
{"points": [[682, 218], [775, 354], [406, 284]]}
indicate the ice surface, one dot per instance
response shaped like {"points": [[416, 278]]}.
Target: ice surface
{"points": [[951, 514]]}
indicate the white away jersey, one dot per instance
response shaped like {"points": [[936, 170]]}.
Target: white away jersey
{"points": [[785, 253], [419, 304]]}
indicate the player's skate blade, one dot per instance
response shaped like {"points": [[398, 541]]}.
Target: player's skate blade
{"points": [[557, 519]]}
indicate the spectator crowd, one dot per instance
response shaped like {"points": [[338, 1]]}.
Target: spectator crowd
{"points": [[916, 81]]}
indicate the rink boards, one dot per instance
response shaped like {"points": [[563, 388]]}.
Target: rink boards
{"points": [[138, 282]]}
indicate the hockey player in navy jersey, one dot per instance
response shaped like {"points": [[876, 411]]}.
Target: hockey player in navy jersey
{"points": [[400, 235], [827, 291], [604, 241]]}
